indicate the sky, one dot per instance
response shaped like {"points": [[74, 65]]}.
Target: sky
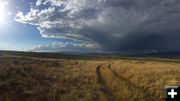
{"points": [[115, 26]]}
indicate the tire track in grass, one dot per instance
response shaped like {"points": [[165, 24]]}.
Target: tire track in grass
{"points": [[147, 96], [103, 87]]}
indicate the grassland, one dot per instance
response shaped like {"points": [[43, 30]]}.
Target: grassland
{"points": [[25, 78]]}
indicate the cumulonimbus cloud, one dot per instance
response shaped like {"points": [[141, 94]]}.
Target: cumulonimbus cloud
{"points": [[113, 25]]}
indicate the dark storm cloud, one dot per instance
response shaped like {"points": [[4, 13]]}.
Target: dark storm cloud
{"points": [[132, 26]]}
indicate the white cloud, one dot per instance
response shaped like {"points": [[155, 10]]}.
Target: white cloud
{"points": [[39, 2], [66, 46]]}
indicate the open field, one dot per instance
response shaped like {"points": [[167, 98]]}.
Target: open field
{"points": [[42, 79]]}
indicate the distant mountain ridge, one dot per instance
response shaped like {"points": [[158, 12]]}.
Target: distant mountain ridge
{"points": [[93, 54], [159, 54]]}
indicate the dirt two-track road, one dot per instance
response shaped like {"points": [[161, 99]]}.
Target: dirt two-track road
{"points": [[109, 93]]}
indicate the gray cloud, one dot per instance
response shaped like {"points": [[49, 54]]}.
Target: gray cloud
{"points": [[114, 25]]}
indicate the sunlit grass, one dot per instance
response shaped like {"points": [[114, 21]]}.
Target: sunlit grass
{"points": [[37, 79]]}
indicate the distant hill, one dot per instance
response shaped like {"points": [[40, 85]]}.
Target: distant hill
{"points": [[161, 55], [74, 55], [58, 55]]}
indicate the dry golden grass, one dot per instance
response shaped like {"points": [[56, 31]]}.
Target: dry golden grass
{"points": [[35, 79]]}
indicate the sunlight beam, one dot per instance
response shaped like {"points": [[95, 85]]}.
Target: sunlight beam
{"points": [[3, 15]]}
